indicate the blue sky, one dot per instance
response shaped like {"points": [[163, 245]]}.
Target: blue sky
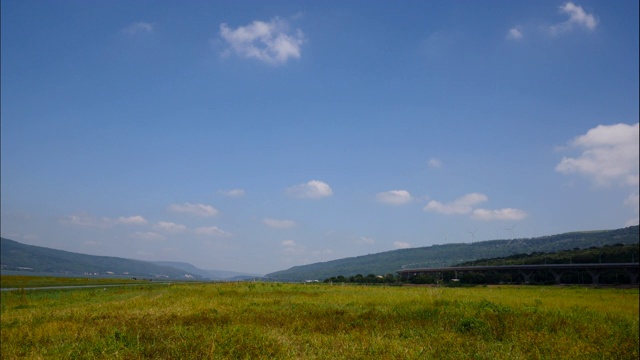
{"points": [[254, 137]]}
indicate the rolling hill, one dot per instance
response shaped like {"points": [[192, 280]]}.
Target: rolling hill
{"points": [[208, 274], [21, 257], [450, 254]]}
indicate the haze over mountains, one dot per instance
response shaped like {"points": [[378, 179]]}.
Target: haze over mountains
{"points": [[15, 256], [20, 257]]}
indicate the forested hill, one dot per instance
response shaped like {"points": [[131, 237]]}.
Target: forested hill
{"points": [[450, 254], [18, 256]]}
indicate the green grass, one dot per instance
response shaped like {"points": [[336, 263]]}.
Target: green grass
{"points": [[20, 281], [290, 321]]}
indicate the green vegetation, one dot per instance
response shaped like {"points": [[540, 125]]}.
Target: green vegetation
{"points": [[450, 254], [319, 321], [617, 253], [20, 281], [17, 256]]}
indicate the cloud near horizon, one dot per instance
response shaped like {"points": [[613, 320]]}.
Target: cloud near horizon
{"points": [[401, 245], [313, 189], [278, 224], [211, 231], [104, 222], [500, 214], [460, 206], [194, 209], [169, 226], [270, 42], [233, 192], [394, 197], [466, 205]]}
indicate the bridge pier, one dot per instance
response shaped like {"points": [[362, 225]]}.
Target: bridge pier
{"points": [[595, 274], [633, 275], [557, 275], [526, 275]]}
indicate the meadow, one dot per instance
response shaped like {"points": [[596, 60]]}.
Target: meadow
{"points": [[320, 321]]}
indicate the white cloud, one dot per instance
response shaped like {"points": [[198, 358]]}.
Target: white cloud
{"points": [[278, 224], [577, 17], [500, 214], [233, 192], [460, 206], [632, 222], [313, 189], [366, 240], [105, 222], [292, 247], [138, 28], [194, 209], [211, 231], [81, 220], [272, 42], [148, 236], [435, 163], [131, 220], [633, 200], [169, 227], [401, 245], [394, 197], [289, 243], [514, 34], [610, 153]]}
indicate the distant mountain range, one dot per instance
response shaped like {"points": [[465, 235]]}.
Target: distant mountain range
{"points": [[15, 256], [208, 274], [451, 254]]}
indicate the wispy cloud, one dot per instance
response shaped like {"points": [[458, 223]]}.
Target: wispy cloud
{"points": [[633, 200], [233, 192], [394, 197], [194, 209], [138, 28], [211, 231], [365, 240], [147, 236], [500, 214], [131, 220], [278, 224], [577, 18], [467, 205], [460, 206], [167, 226], [401, 245], [104, 222], [272, 42], [313, 189], [435, 163], [291, 247], [514, 34]]}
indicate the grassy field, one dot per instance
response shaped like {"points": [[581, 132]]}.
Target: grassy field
{"points": [[20, 281], [319, 321]]}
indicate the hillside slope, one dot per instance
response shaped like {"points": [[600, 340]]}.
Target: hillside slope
{"points": [[18, 256], [450, 254], [208, 274]]}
